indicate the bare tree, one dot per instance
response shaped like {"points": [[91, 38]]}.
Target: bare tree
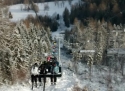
{"points": [[102, 6], [70, 1], [35, 7], [46, 7], [116, 8], [26, 3], [62, 3], [42, 1], [56, 2], [10, 15]]}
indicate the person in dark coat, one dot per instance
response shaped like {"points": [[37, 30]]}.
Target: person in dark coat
{"points": [[42, 71]]}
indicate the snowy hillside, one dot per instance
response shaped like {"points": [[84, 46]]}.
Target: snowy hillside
{"points": [[101, 79], [18, 12]]}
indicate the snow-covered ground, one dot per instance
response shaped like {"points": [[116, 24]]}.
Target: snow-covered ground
{"points": [[18, 12], [99, 79]]}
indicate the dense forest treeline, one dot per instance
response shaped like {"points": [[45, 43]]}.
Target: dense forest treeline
{"points": [[108, 10], [104, 10], [42, 21]]}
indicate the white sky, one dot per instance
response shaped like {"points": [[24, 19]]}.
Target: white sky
{"points": [[68, 79]]}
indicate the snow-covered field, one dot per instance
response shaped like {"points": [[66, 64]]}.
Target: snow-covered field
{"points": [[100, 79], [18, 12]]}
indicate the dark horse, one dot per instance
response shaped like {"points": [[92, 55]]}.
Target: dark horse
{"points": [[34, 74]]}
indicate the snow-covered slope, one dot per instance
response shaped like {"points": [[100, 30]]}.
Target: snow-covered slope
{"points": [[99, 78], [18, 12]]}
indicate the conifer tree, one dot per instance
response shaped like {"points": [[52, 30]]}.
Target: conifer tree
{"points": [[54, 25], [66, 17], [72, 15], [57, 17]]}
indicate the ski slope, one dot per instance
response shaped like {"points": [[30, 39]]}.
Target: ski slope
{"points": [[69, 79], [18, 13]]}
